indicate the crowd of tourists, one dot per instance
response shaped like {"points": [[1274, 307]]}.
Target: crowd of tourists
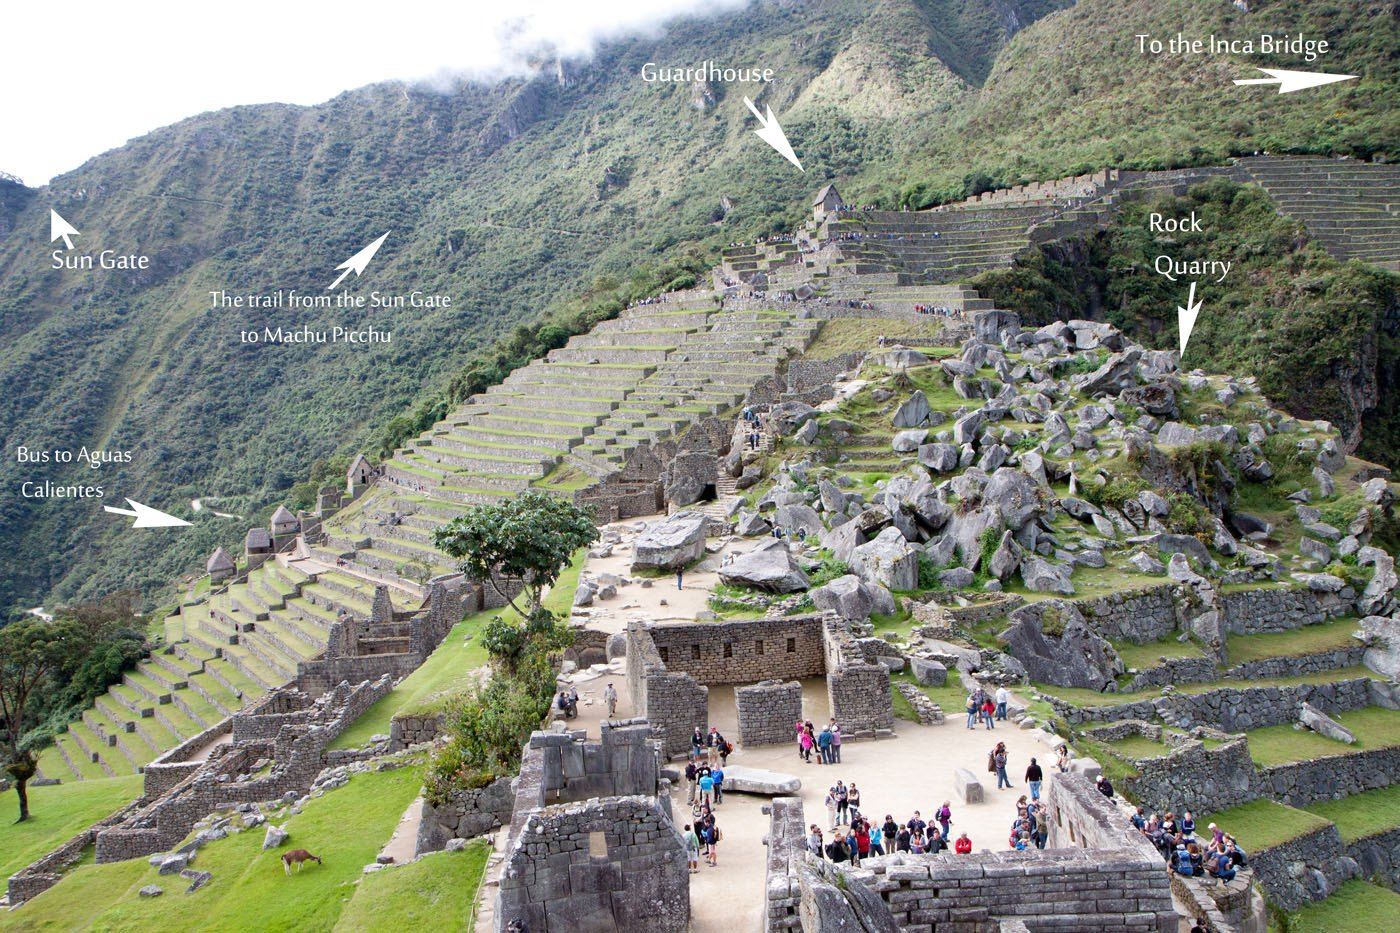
{"points": [[987, 708], [753, 428], [851, 836], [824, 744], [936, 311], [1187, 852]]}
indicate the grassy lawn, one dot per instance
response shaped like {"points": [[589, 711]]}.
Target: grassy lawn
{"points": [[952, 698], [1363, 814], [1373, 727], [1081, 697], [1148, 655], [848, 335], [57, 812], [1356, 905], [249, 890], [1138, 746], [1262, 824], [437, 892], [448, 670], [1310, 639]]}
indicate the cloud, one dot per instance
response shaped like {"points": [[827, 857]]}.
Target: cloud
{"points": [[114, 71]]}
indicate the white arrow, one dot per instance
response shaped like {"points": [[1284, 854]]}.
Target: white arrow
{"points": [[357, 262], [1186, 318], [773, 135], [58, 227], [1290, 81], [147, 517]]}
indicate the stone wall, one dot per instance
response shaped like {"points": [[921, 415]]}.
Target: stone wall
{"points": [[1303, 869], [1247, 612], [1196, 778], [1137, 616], [786, 841], [406, 730], [468, 814], [744, 652], [626, 761], [859, 695], [604, 865], [673, 703], [767, 711], [37, 877], [1378, 855], [1232, 709]]}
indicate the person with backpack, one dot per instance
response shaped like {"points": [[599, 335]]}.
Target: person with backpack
{"points": [[843, 801], [824, 747], [726, 748], [835, 728], [836, 849], [988, 708], [1181, 861], [973, 709], [717, 774], [999, 759], [707, 789], [814, 841], [944, 816]]}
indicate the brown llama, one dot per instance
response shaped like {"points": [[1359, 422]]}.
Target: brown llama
{"points": [[299, 856]]}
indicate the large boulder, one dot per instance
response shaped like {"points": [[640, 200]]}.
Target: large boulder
{"points": [[850, 597], [671, 543], [914, 413], [746, 780], [1379, 596], [688, 475], [1382, 635], [789, 417], [798, 520], [1056, 646], [1042, 576], [1118, 373], [887, 560], [1318, 721], [989, 326], [768, 567], [929, 672], [941, 458], [1014, 496]]}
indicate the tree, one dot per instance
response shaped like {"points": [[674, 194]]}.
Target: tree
{"points": [[528, 539], [31, 650]]}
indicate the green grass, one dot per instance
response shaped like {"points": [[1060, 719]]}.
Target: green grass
{"points": [[1373, 726], [1310, 639], [249, 890], [437, 892], [564, 478], [57, 812], [850, 335], [1356, 905], [951, 697], [1145, 656], [1362, 815], [1263, 824], [1138, 746]]}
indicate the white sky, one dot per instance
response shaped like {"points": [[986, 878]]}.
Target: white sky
{"points": [[80, 77]]}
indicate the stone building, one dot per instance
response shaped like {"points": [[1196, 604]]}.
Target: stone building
{"points": [[360, 475], [827, 200], [220, 566], [257, 547]]}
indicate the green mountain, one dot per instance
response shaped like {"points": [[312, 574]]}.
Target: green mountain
{"points": [[537, 196]]}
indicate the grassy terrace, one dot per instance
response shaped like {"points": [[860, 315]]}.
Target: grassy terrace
{"points": [[1362, 815], [435, 892], [1138, 746], [58, 811], [952, 697], [249, 890], [1149, 655], [1356, 905], [1263, 824], [1373, 726], [1088, 698], [1311, 639]]}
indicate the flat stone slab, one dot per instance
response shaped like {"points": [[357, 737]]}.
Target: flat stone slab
{"points": [[966, 784], [760, 781]]}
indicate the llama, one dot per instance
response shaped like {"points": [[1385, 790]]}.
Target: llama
{"points": [[299, 856]]}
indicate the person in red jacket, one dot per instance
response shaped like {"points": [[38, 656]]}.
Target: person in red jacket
{"points": [[963, 845]]}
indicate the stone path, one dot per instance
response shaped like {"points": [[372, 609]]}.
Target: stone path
{"points": [[403, 844]]}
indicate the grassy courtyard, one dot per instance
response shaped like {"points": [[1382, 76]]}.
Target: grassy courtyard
{"points": [[1362, 815], [437, 892], [1356, 905], [249, 890], [57, 813], [1151, 653]]}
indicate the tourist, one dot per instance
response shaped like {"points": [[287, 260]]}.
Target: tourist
{"points": [[1222, 867], [916, 842], [1188, 823], [1216, 835], [1138, 819], [835, 728], [963, 846], [712, 839], [1232, 849], [877, 839], [836, 849], [690, 779], [1003, 696], [1181, 861], [1033, 778], [998, 764], [717, 775], [610, 697], [916, 823], [697, 742], [680, 578], [805, 743], [726, 748], [1022, 842], [713, 742], [1062, 758], [831, 807], [843, 801], [814, 841], [890, 832], [1198, 862], [1104, 786], [707, 788], [824, 747], [945, 818], [853, 843], [936, 842], [692, 849], [972, 711], [901, 839], [853, 800], [988, 708]]}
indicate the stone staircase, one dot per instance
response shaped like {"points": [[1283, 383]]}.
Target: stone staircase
{"points": [[1352, 208]]}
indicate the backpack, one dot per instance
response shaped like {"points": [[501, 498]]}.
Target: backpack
{"points": [[991, 761], [1183, 862]]}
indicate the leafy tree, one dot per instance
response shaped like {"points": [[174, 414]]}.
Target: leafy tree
{"points": [[527, 539], [31, 651]]}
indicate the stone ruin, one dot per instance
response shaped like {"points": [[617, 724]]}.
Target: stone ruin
{"points": [[592, 845], [1098, 873], [670, 667]]}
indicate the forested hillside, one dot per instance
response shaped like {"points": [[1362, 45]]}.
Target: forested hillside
{"points": [[562, 193]]}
